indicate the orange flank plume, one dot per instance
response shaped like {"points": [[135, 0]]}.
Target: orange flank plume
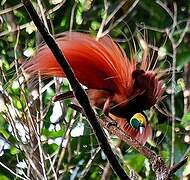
{"points": [[114, 82]]}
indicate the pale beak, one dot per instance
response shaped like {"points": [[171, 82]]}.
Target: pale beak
{"points": [[141, 130]]}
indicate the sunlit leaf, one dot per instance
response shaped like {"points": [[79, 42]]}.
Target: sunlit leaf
{"points": [[13, 150], [29, 52], [183, 58], [3, 177], [135, 161], [17, 103], [186, 119]]}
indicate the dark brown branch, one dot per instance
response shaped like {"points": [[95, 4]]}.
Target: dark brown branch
{"points": [[157, 163], [77, 89], [178, 166]]}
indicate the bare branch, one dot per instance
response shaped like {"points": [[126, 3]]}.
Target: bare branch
{"points": [[99, 34], [89, 163], [165, 8], [120, 19], [72, 16], [178, 166], [12, 172], [7, 10]]}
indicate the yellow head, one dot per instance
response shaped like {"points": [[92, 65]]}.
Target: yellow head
{"points": [[139, 121]]}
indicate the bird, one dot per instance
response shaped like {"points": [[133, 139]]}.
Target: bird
{"points": [[120, 86]]}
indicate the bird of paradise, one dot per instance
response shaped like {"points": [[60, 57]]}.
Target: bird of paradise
{"points": [[115, 83]]}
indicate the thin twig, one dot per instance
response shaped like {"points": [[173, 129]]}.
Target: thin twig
{"points": [[15, 53], [107, 172], [120, 19], [52, 167], [89, 163], [165, 8], [12, 172], [103, 20], [42, 14], [66, 139], [41, 156], [55, 8], [7, 10], [170, 35], [40, 122], [72, 16], [183, 33], [31, 162], [24, 26], [115, 11], [156, 29]]}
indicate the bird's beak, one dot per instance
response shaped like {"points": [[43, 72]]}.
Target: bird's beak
{"points": [[141, 129]]}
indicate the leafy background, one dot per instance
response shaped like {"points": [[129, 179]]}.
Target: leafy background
{"points": [[63, 145]]}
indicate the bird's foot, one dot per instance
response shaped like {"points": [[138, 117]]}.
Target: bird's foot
{"points": [[113, 123]]}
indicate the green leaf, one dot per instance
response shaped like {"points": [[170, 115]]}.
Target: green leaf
{"points": [[29, 52], [95, 25], [135, 160], [186, 119], [13, 150], [6, 65], [183, 58], [53, 134], [3, 177], [50, 148], [165, 154], [31, 29], [4, 133], [17, 103]]}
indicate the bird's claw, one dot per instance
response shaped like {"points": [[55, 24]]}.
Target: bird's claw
{"points": [[109, 124]]}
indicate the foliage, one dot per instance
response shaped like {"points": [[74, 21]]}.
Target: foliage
{"points": [[63, 145]]}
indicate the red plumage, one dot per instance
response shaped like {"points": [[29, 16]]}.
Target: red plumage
{"points": [[115, 84], [134, 133]]}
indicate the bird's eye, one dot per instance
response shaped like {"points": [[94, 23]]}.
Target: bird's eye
{"points": [[138, 120]]}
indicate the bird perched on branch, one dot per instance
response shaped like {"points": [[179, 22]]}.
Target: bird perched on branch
{"points": [[115, 83]]}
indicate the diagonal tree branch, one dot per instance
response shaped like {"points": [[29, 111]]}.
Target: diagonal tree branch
{"points": [[162, 171], [78, 90], [178, 166]]}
